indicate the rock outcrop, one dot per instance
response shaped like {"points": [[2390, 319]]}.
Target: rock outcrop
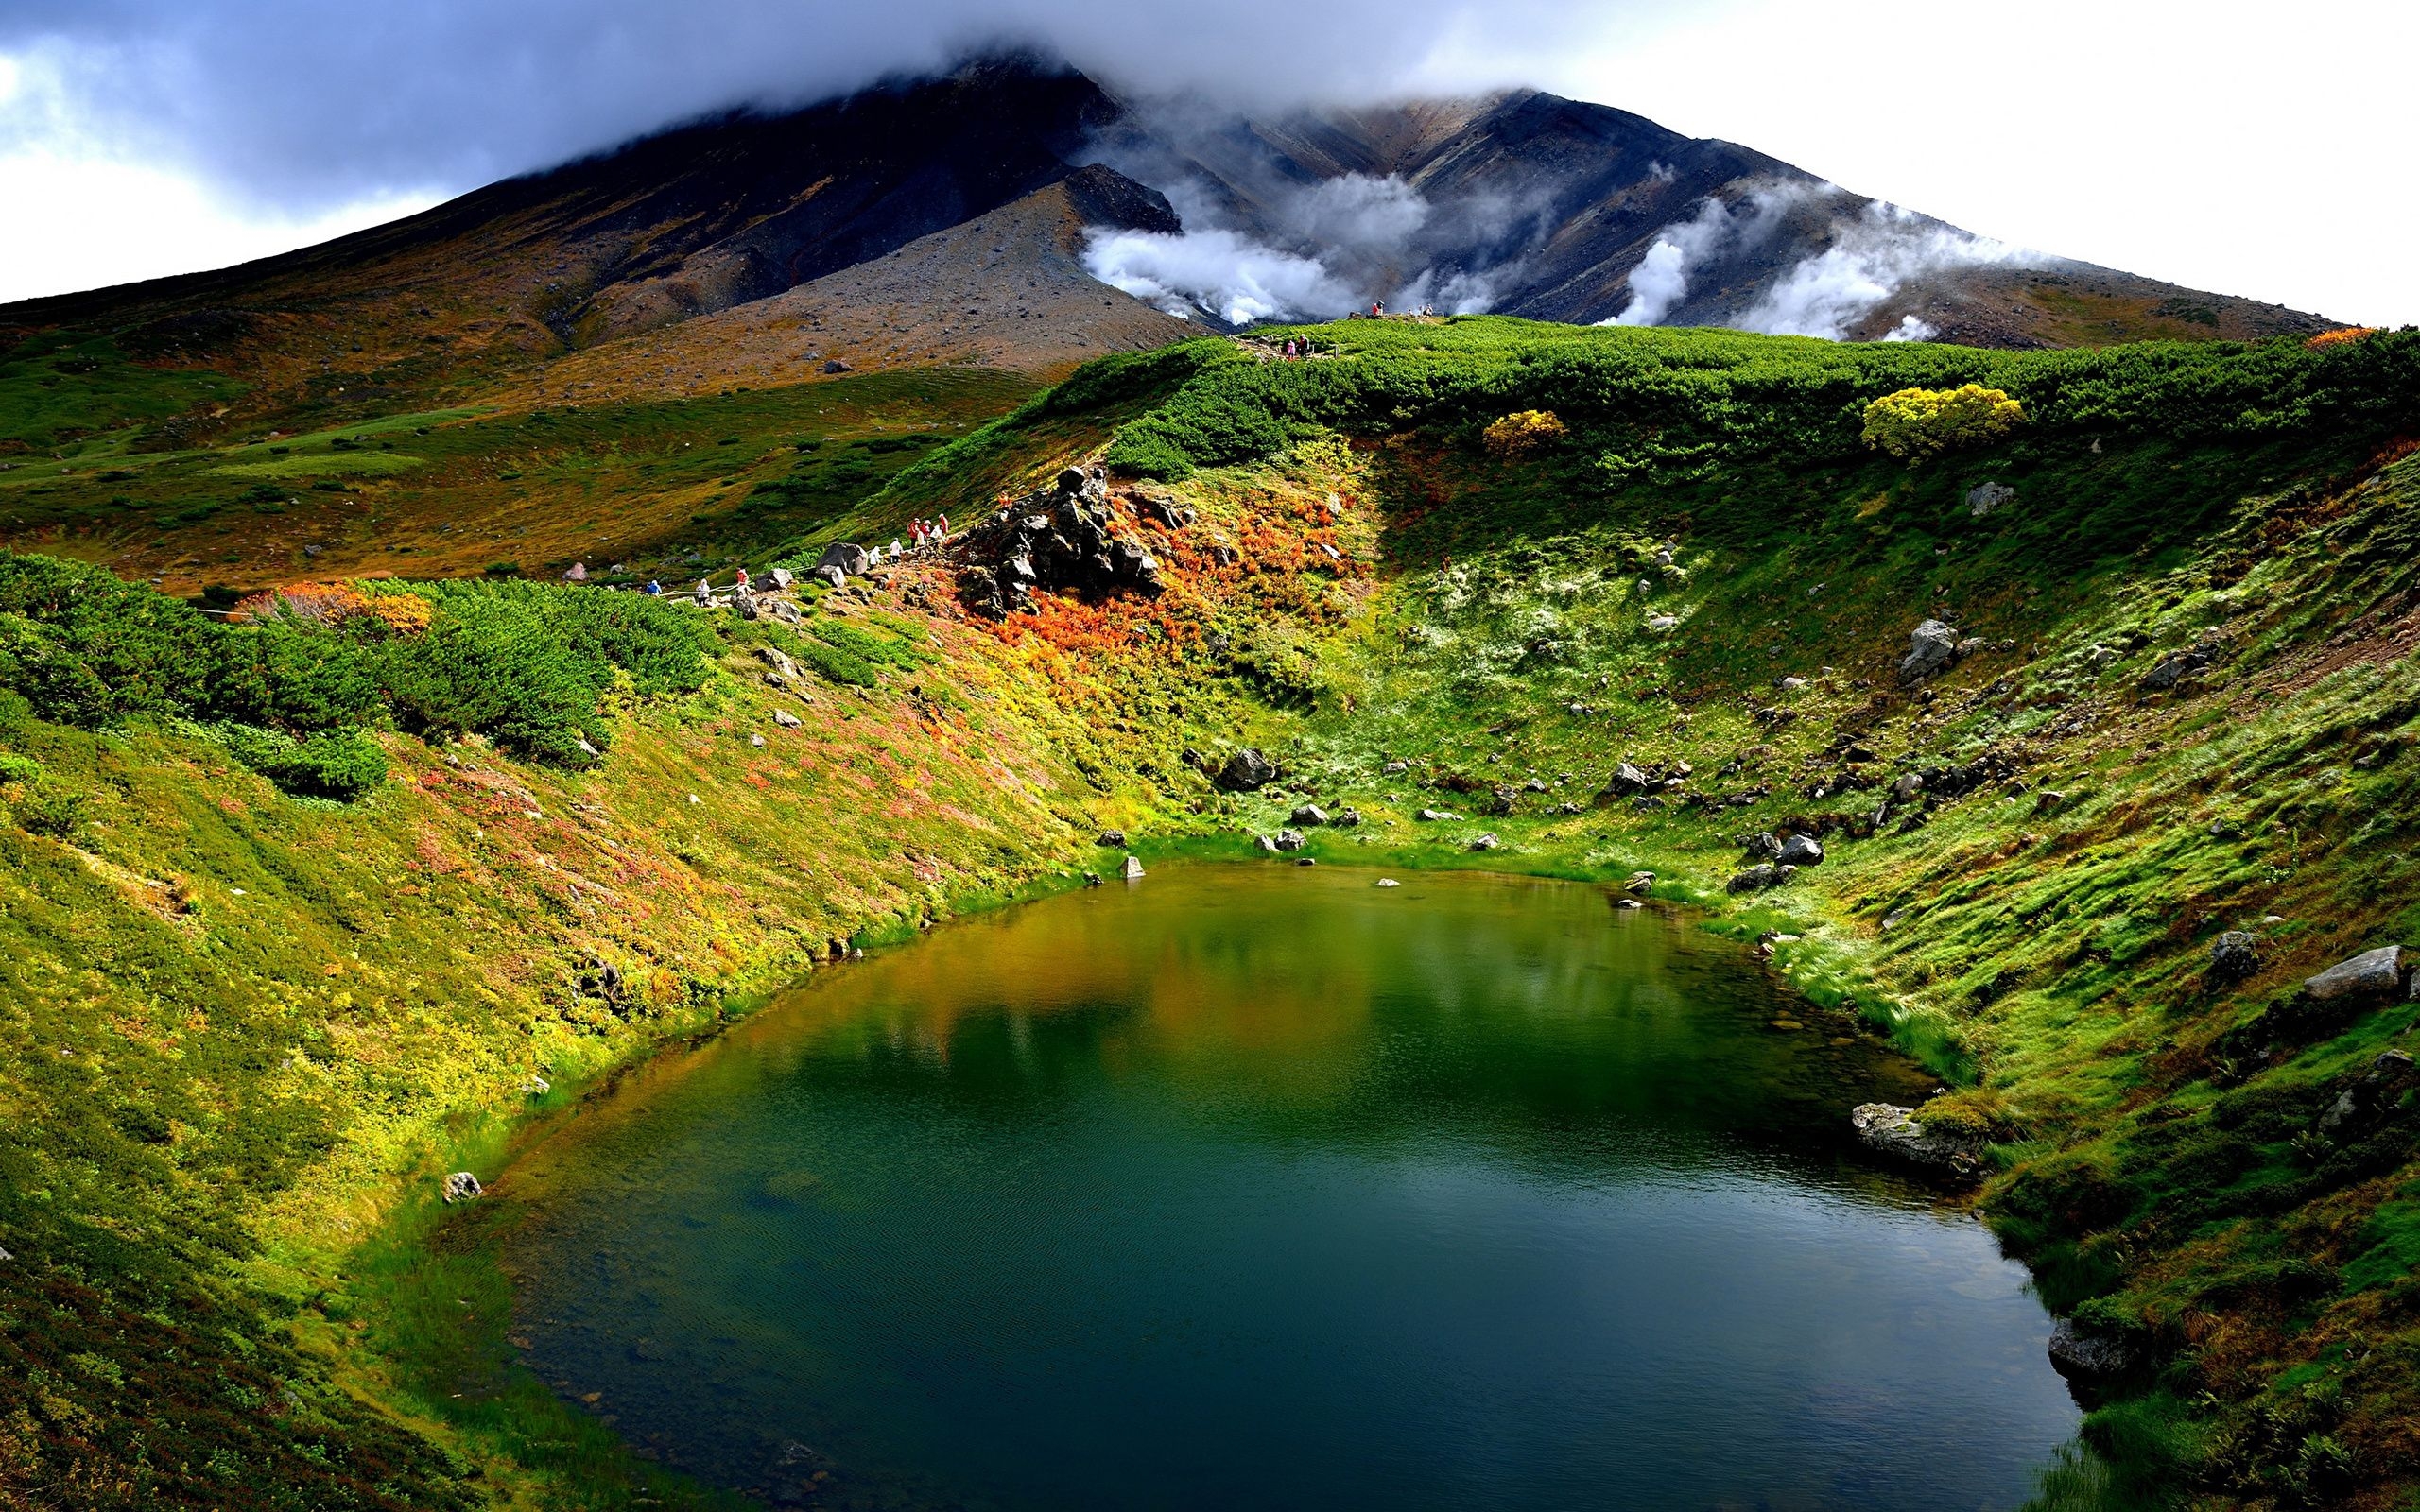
{"points": [[1063, 539], [1890, 1129]]}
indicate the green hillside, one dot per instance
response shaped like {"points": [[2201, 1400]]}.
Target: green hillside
{"points": [[300, 911]]}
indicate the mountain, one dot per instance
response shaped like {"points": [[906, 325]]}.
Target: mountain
{"points": [[1018, 213]]}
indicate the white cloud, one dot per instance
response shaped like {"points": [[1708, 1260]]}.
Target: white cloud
{"points": [[1218, 272], [1870, 258]]}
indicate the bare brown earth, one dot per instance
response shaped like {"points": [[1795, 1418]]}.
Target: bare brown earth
{"points": [[1008, 289]]}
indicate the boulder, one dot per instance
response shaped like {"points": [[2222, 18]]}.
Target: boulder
{"points": [[2172, 668], [1133, 868], [850, 558], [1932, 647], [1907, 787], [1887, 1128], [1264, 843], [2091, 1357], [832, 577], [1389, 881], [1247, 772], [1291, 840], [2372, 973], [1639, 882], [782, 579], [1112, 839], [1757, 879], [1308, 815], [1485, 842], [1396, 768], [1435, 816], [1802, 850], [1661, 623], [1986, 497], [2234, 955], [1762, 847], [2367, 1100], [1628, 902], [786, 719], [1626, 781], [461, 1187], [1345, 818]]}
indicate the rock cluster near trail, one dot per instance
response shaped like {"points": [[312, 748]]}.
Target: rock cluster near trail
{"points": [[1063, 539], [461, 1187]]}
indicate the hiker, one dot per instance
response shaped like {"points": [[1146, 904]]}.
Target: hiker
{"points": [[654, 588], [894, 548], [705, 593], [742, 585], [944, 536]]}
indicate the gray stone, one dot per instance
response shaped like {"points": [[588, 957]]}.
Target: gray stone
{"points": [[1112, 839], [1310, 815], [1986, 497], [1435, 816], [831, 576], [1485, 842], [461, 1187], [1291, 840], [1932, 647], [2372, 973], [1625, 782], [1757, 879], [1802, 850], [1133, 869], [1907, 786], [1628, 902], [2234, 956], [1395, 768], [1389, 881], [1247, 772], [786, 719], [848, 557], [1264, 843], [1345, 818], [1639, 882], [1661, 623], [1889, 1130], [2086, 1356]]}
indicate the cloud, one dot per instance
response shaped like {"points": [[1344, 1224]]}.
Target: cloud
{"points": [[1870, 258], [1220, 273], [304, 104], [1869, 253]]}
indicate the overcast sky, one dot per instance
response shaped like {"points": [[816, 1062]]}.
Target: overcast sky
{"points": [[2263, 151]]}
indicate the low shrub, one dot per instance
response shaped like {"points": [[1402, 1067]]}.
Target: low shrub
{"points": [[1916, 423]]}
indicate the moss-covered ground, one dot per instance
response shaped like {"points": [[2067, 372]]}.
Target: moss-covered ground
{"points": [[249, 1030]]}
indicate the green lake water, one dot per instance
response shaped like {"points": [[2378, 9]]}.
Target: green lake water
{"points": [[1265, 1187]]}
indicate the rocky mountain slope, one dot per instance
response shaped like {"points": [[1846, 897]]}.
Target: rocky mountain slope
{"points": [[1522, 203]]}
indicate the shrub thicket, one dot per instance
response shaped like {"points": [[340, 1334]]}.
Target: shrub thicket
{"points": [[1920, 422], [1644, 393], [304, 671]]}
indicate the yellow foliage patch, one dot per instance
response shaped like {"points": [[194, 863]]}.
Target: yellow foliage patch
{"points": [[1921, 423], [1525, 431]]}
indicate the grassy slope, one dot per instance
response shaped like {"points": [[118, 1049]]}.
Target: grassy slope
{"points": [[254, 1081], [664, 488]]}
